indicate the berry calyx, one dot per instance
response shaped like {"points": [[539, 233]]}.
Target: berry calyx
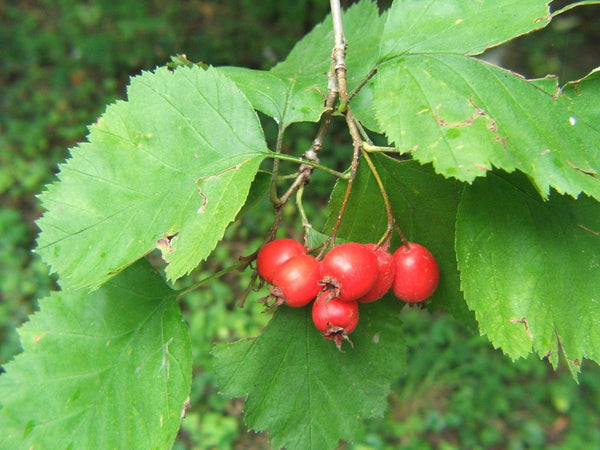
{"points": [[296, 282], [385, 274], [335, 319], [349, 271], [274, 254], [417, 273]]}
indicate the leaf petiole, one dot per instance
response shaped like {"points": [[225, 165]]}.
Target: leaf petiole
{"points": [[242, 264], [370, 148], [297, 160]]}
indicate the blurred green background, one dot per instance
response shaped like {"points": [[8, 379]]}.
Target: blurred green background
{"points": [[62, 61]]}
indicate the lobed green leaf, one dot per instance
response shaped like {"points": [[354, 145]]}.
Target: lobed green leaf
{"points": [[457, 27], [466, 116], [531, 269], [174, 163], [110, 369], [301, 388]]}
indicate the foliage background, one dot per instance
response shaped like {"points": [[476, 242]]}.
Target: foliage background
{"points": [[63, 61]]}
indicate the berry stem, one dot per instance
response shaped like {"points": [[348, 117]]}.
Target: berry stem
{"points": [[305, 222], [386, 199], [404, 240], [391, 222]]}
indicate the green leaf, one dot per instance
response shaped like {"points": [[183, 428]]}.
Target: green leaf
{"points": [[424, 206], [286, 99], [458, 26], [442, 26], [110, 369], [531, 269], [301, 388], [177, 158], [465, 116]]}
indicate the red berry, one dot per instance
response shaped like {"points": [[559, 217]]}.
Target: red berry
{"points": [[349, 271], [274, 254], [296, 282], [417, 273], [335, 318], [385, 276]]}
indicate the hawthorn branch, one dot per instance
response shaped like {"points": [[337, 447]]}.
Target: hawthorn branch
{"points": [[338, 56], [311, 160], [336, 88], [357, 145], [311, 155]]}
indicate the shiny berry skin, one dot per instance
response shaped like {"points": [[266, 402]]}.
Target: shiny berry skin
{"points": [[274, 254], [296, 282], [385, 276], [417, 273], [334, 318], [349, 271]]}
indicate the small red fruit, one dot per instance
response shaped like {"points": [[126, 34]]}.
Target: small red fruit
{"points": [[349, 271], [274, 254], [334, 318], [296, 282], [417, 273], [385, 276]]}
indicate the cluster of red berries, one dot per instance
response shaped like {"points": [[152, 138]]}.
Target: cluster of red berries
{"points": [[348, 274]]}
